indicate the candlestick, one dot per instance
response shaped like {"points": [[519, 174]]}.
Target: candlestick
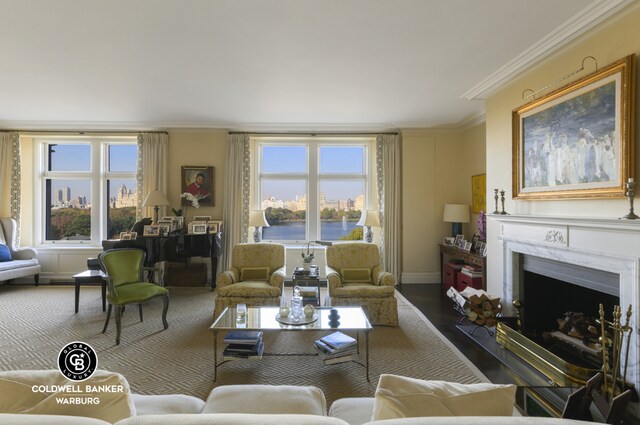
{"points": [[496, 211], [503, 212], [630, 195]]}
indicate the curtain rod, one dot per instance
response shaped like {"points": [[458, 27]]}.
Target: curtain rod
{"points": [[319, 134], [83, 132]]}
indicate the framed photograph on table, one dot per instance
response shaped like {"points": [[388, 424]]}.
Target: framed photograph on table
{"points": [[198, 181], [576, 142], [151, 230], [199, 229]]}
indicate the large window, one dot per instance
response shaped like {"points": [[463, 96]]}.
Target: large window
{"points": [[88, 189], [312, 190]]}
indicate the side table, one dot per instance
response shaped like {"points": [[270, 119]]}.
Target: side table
{"points": [[91, 277], [309, 283]]}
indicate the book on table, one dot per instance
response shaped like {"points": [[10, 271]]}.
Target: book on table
{"points": [[243, 337], [338, 341], [235, 351], [330, 357]]}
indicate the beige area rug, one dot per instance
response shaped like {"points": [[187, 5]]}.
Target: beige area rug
{"points": [[36, 322]]}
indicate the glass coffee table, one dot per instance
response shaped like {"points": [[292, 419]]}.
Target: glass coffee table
{"points": [[264, 319]]}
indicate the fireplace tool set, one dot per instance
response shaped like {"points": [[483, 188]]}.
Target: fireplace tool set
{"points": [[607, 390]]}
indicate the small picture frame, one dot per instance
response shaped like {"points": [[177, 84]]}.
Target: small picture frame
{"points": [[134, 235], [458, 239], [199, 229], [484, 250], [125, 236], [212, 226], [167, 218], [151, 230], [165, 229], [449, 241], [479, 247], [203, 218], [467, 246]]}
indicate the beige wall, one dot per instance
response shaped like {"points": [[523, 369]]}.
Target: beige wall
{"points": [[608, 43], [436, 170]]}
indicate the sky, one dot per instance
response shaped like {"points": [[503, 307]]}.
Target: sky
{"points": [[77, 157], [332, 160]]}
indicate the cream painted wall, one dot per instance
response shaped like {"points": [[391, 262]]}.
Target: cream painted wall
{"points": [[608, 42], [436, 170]]}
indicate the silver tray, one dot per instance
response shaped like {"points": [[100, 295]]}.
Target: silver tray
{"points": [[304, 320]]}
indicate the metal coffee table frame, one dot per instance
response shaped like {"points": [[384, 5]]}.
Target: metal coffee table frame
{"points": [[352, 319]]}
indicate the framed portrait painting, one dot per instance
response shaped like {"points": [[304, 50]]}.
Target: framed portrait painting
{"points": [[198, 181], [577, 142]]}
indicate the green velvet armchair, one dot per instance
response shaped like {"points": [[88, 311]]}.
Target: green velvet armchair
{"points": [[126, 285], [355, 277], [256, 277]]}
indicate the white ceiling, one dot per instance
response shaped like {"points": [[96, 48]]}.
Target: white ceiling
{"points": [[264, 64]]}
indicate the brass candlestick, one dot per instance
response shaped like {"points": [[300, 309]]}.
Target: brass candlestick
{"points": [[630, 194], [503, 212], [495, 196]]}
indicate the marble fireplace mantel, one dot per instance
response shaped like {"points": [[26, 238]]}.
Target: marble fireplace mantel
{"points": [[607, 244]]}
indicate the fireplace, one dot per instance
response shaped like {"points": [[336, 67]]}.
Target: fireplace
{"points": [[542, 260]]}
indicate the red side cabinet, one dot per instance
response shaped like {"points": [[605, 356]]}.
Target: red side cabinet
{"points": [[451, 271], [464, 280]]}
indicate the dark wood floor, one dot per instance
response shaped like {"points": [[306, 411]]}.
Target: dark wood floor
{"points": [[437, 307]]}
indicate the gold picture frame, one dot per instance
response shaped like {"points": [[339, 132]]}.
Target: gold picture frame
{"points": [[479, 193], [577, 142]]}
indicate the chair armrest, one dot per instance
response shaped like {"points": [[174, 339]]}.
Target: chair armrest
{"points": [[334, 280], [226, 278], [382, 278], [277, 278], [24, 253]]}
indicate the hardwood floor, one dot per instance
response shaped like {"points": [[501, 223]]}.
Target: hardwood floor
{"points": [[437, 307]]}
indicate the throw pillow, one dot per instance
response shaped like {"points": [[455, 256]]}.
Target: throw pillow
{"points": [[401, 397], [356, 275], [254, 273], [5, 253], [111, 404]]}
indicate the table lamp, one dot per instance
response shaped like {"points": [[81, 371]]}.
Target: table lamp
{"points": [[258, 220], [456, 214], [155, 199], [367, 219]]}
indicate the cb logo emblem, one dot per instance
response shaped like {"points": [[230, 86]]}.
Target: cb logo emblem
{"points": [[77, 361]]}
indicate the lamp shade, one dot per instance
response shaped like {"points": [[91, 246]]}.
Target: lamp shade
{"points": [[155, 198], [257, 218], [456, 213], [369, 218]]}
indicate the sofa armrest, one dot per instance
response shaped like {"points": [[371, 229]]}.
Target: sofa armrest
{"points": [[23, 253], [382, 278], [9, 226], [227, 277], [334, 280], [277, 278]]}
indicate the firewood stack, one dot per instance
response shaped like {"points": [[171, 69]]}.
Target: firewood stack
{"points": [[479, 306]]}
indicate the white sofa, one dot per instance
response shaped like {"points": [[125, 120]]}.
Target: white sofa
{"points": [[22, 402], [24, 263]]}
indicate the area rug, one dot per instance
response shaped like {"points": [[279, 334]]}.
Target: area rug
{"points": [[36, 322]]}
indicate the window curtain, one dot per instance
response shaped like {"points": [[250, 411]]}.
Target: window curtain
{"points": [[10, 177], [237, 182], [153, 152], [389, 184]]}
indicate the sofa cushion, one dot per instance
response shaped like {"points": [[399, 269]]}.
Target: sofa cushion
{"points": [[249, 289], [232, 419], [402, 397], [266, 399], [54, 394], [166, 404], [349, 290], [254, 273], [356, 275], [5, 253], [353, 410], [17, 264]]}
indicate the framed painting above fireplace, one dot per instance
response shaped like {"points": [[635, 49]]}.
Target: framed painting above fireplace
{"points": [[577, 142]]}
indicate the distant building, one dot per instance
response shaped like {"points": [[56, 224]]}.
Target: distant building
{"points": [[124, 198]]}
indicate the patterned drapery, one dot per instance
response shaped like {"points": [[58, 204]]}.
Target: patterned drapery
{"points": [[10, 175], [151, 173]]}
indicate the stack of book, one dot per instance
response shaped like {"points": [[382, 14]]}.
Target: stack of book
{"points": [[243, 345], [471, 270], [336, 348], [309, 295]]}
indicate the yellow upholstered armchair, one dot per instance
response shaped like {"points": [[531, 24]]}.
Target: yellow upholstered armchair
{"points": [[256, 277], [355, 277]]}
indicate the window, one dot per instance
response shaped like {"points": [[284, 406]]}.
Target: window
{"points": [[312, 189], [87, 189]]}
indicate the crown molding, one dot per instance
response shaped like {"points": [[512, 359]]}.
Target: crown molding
{"points": [[588, 18]]}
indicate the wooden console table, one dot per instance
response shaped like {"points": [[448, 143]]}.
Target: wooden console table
{"points": [[474, 258]]}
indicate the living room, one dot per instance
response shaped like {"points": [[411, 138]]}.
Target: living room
{"points": [[438, 158]]}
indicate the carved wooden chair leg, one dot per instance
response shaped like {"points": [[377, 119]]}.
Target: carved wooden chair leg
{"points": [[119, 311], [140, 309], [106, 322], [165, 298]]}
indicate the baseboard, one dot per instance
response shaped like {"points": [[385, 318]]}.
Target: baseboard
{"points": [[429, 277]]}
